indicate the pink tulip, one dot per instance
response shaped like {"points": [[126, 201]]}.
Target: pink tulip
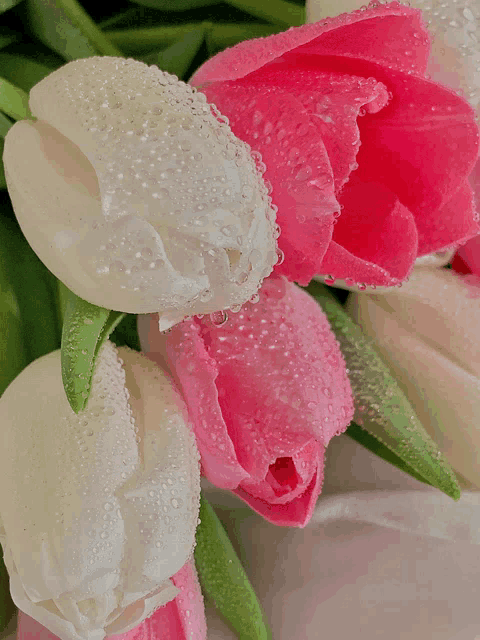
{"points": [[297, 97], [266, 392], [181, 619]]}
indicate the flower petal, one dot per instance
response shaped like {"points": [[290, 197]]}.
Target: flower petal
{"points": [[295, 513], [278, 396], [144, 242], [195, 372], [387, 239], [84, 557], [276, 124], [380, 34], [180, 619]]}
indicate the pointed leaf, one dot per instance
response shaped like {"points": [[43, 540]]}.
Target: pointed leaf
{"points": [[381, 407], [13, 101], [85, 329], [224, 580], [178, 57], [65, 27]]}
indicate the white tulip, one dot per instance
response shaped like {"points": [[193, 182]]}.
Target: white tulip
{"points": [[98, 509], [427, 332], [135, 193]]}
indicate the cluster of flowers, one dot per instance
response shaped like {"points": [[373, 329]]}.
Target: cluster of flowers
{"points": [[340, 158]]}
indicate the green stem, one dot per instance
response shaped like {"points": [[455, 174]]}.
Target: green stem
{"points": [[279, 12]]}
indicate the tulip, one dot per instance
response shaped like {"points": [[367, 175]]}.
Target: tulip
{"points": [[181, 619], [368, 157], [454, 61], [134, 192], [99, 509], [266, 393], [427, 331]]}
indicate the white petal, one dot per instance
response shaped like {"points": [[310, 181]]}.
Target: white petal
{"points": [[98, 509], [136, 195]]}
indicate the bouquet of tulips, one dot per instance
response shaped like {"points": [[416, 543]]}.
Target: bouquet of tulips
{"points": [[204, 284]]}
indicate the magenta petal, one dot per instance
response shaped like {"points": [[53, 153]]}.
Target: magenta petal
{"points": [[387, 239], [469, 255], [196, 373], [276, 124], [296, 513], [381, 34]]}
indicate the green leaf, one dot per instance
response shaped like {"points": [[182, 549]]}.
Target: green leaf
{"points": [[176, 5], [8, 37], [221, 36], [178, 58], [279, 12], [21, 71], [35, 288], [224, 580], [126, 333], [13, 353], [85, 329], [138, 41], [13, 101], [7, 4], [381, 407], [7, 608], [65, 27]]}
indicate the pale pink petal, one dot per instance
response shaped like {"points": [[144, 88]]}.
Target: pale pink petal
{"points": [[381, 34], [294, 513], [195, 372]]}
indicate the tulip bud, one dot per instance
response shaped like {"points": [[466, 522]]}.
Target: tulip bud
{"points": [[135, 193], [99, 509]]}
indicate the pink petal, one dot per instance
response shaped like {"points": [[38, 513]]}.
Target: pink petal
{"points": [[422, 146], [376, 230], [196, 373], [274, 380], [276, 124], [295, 513], [469, 257], [381, 34]]}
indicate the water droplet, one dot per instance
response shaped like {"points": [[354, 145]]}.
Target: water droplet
{"points": [[219, 318]]}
